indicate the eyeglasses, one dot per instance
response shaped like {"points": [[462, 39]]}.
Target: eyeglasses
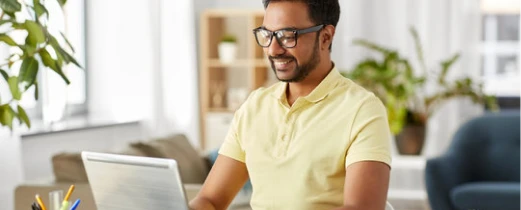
{"points": [[286, 38]]}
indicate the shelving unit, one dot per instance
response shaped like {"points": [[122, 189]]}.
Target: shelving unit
{"points": [[248, 72]]}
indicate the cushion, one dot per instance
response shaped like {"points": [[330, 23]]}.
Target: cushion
{"points": [[192, 166], [486, 195], [68, 167]]}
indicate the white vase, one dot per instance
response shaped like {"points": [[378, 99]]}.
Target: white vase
{"points": [[227, 52]]}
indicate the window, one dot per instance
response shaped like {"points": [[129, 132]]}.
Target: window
{"points": [[56, 99], [500, 47]]}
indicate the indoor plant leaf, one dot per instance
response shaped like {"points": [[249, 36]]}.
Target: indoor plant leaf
{"points": [[23, 116], [4, 74], [419, 49], [35, 33], [10, 6], [61, 53], [62, 2], [67, 41], [7, 39], [53, 64], [13, 86], [6, 116], [445, 66], [28, 72], [39, 9], [36, 91]]}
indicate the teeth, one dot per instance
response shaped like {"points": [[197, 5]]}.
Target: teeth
{"points": [[282, 62]]}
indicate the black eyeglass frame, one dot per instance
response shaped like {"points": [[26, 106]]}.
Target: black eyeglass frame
{"points": [[296, 33]]}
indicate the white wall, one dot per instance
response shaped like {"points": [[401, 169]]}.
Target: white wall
{"points": [[37, 151], [10, 171]]}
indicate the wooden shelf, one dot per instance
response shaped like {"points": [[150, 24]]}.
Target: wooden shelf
{"points": [[221, 110], [237, 63], [248, 71], [216, 63]]}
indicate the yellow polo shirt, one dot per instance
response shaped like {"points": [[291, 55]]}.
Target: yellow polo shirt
{"points": [[297, 156]]}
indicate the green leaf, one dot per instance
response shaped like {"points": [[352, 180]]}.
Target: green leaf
{"points": [[23, 116], [13, 86], [6, 116], [36, 91], [7, 39], [68, 43], [28, 72], [36, 35], [53, 64], [372, 46], [40, 9], [62, 54], [2, 22], [47, 59], [419, 49], [445, 66], [4, 74], [10, 6], [62, 2]]}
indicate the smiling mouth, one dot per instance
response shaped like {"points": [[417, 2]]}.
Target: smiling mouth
{"points": [[281, 62]]}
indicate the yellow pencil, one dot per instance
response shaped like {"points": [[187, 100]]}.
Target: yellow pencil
{"points": [[39, 200], [65, 203], [71, 188]]}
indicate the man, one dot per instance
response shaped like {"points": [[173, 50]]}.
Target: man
{"points": [[313, 141]]}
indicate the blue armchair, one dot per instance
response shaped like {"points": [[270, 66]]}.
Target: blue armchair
{"points": [[480, 170]]}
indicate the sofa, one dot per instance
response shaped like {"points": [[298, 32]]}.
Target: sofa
{"points": [[480, 169], [68, 169]]}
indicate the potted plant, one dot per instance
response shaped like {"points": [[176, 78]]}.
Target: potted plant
{"points": [[394, 80], [40, 50], [228, 48]]}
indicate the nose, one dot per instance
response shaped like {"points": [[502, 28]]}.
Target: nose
{"points": [[275, 49]]}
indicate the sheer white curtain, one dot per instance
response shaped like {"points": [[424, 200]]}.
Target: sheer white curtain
{"points": [[142, 64], [445, 27], [175, 95]]}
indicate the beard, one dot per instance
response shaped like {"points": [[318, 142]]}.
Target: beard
{"points": [[300, 72]]}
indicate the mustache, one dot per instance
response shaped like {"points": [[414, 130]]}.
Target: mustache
{"points": [[281, 57]]}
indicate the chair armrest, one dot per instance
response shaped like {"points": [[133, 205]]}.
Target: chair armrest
{"points": [[442, 174]]}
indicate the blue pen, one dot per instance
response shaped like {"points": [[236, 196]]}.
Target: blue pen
{"points": [[75, 205]]}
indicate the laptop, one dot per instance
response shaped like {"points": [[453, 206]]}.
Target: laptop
{"points": [[121, 182]]}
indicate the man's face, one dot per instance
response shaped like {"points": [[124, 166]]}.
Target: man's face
{"points": [[291, 64]]}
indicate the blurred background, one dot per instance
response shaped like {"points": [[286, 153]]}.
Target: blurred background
{"points": [[157, 68]]}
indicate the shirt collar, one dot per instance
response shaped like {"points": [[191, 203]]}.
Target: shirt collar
{"points": [[319, 93]]}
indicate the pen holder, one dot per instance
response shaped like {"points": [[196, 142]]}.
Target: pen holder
{"points": [[55, 199]]}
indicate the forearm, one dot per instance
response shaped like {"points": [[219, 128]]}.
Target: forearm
{"points": [[199, 203]]}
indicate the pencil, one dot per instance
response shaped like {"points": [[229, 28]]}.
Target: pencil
{"points": [[39, 200], [65, 203], [71, 188]]}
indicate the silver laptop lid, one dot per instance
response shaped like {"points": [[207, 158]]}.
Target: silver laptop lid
{"points": [[121, 182]]}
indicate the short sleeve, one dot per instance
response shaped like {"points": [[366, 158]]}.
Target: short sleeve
{"points": [[370, 134], [231, 146]]}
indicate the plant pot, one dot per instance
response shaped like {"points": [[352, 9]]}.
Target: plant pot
{"points": [[411, 140], [227, 52]]}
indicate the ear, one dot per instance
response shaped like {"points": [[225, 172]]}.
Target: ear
{"points": [[328, 32]]}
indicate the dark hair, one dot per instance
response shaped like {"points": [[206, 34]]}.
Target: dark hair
{"points": [[321, 11], [325, 12]]}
